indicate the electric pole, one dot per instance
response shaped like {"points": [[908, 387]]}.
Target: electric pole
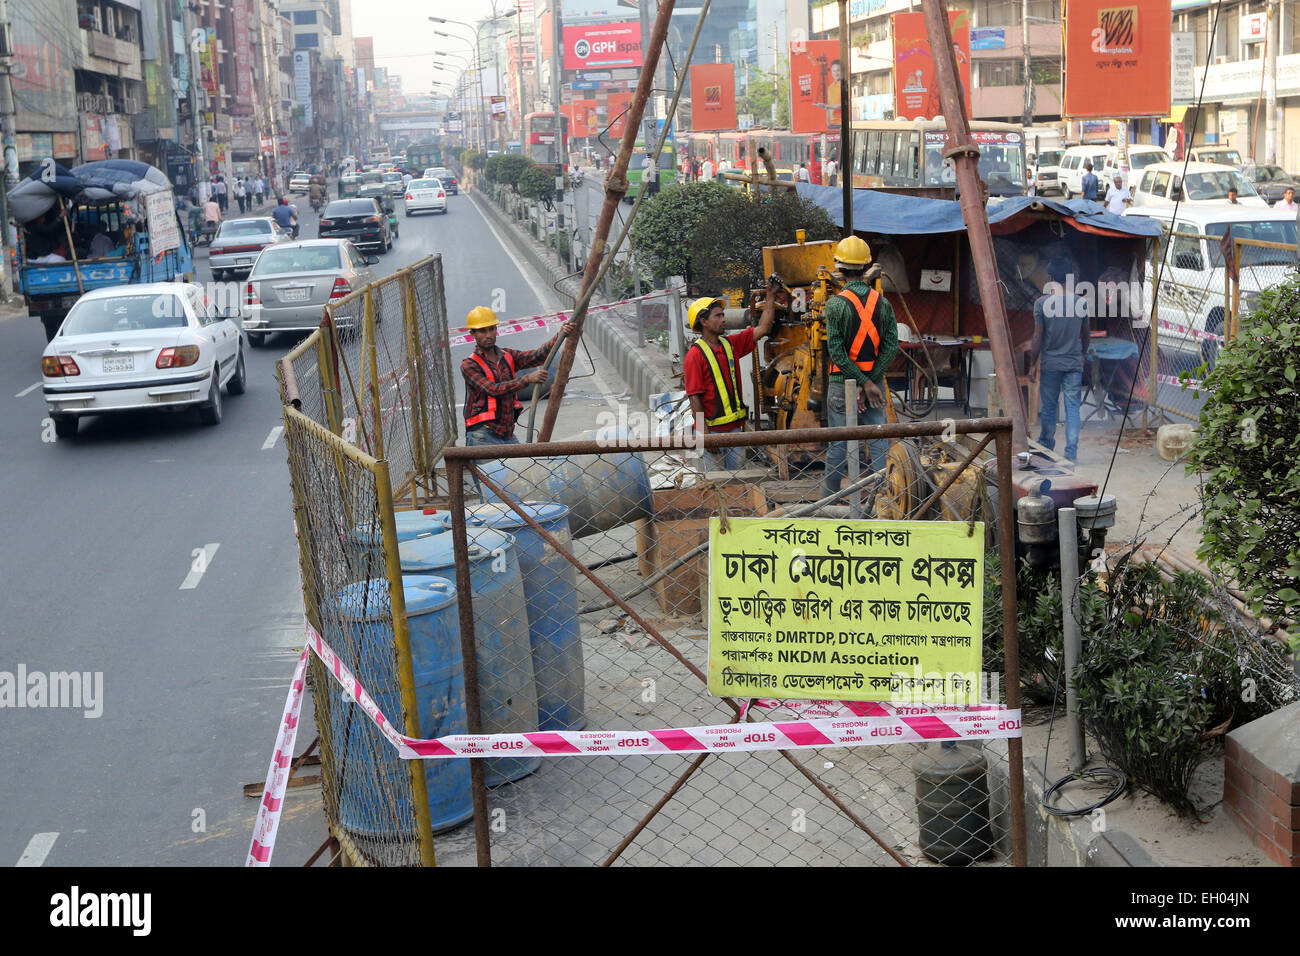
{"points": [[1027, 120], [1272, 38], [8, 144], [649, 122]]}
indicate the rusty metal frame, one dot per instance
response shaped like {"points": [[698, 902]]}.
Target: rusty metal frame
{"points": [[459, 459]]}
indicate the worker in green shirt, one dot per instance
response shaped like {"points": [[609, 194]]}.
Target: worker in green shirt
{"points": [[861, 342]]}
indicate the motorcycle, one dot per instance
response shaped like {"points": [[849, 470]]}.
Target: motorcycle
{"points": [[317, 204], [575, 178]]}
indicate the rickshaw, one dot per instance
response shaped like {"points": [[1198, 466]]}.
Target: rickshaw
{"points": [[378, 191]]}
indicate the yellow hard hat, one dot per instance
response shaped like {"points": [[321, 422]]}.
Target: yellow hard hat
{"points": [[481, 317], [698, 309], [852, 251]]}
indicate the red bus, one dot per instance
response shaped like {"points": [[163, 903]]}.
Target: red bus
{"points": [[788, 149], [545, 140]]}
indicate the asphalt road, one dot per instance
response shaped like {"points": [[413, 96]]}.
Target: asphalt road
{"points": [[195, 654]]}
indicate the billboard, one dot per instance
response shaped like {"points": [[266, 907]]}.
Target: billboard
{"points": [[915, 84], [207, 47], [1117, 58], [713, 96], [601, 45], [815, 86], [302, 84]]}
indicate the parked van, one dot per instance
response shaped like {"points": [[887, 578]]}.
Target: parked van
{"points": [[1045, 170], [1193, 282], [1163, 184], [1219, 155], [1105, 164]]}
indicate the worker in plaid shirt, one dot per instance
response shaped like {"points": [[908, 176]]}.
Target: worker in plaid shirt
{"points": [[492, 378]]}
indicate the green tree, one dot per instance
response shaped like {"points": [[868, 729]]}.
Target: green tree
{"points": [[1247, 446], [663, 227], [763, 88], [536, 183], [727, 248]]}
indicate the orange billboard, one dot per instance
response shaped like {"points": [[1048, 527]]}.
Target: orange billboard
{"points": [[1117, 58], [815, 71], [618, 104], [916, 89], [713, 96]]}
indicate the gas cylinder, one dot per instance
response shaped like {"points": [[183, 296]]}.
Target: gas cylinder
{"points": [[952, 804]]}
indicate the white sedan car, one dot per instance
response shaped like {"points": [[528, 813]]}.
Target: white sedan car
{"points": [[425, 194], [156, 345]]}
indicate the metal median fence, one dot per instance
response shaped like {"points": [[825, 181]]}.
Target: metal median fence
{"points": [[1206, 289]]}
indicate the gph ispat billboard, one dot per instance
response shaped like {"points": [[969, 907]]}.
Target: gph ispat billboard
{"points": [[599, 45]]}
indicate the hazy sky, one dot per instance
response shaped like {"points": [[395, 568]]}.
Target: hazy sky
{"points": [[404, 38]]}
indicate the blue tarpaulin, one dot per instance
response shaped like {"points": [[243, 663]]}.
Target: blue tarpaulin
{"points": [[895, 214]]}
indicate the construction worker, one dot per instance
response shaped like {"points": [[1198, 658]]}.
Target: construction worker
{"points": [[861, 341], [711, 372], [492, 378]]}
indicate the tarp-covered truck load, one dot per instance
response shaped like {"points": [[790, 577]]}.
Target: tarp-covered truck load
{"points": [[96, 225]]}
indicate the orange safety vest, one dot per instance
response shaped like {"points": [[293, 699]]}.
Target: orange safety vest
{"points": [[866, 327], [491, 413]]}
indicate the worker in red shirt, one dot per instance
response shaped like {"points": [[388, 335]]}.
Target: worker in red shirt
{"points": [[711, 372], [492, 377]]}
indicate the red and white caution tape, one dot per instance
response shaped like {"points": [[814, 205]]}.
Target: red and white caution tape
{"points": [[277, 776], [1185, 330], [1175, 380], [866, 723], [530, 323], [844, 724]]}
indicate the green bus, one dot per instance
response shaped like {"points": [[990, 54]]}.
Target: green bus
{"points": [[667, 168]]}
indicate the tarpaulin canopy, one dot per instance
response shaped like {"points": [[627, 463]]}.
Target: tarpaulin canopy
{"points": [[123, 179], [896, 214]]}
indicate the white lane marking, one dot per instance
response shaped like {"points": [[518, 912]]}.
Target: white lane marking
{"points": [[545, 296], [28, 390], [272, 438], [38, 848], [199, 566]]}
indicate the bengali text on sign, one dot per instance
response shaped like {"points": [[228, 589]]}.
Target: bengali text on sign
{"points": [[855, 610]]}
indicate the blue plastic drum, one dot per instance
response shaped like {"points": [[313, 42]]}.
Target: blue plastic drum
{"points": [[372, 778], [410, 524], [601, 491], [551, 587], [507, 687]]}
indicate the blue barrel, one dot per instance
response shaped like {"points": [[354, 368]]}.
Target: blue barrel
{"points": [[551, 588], [372, 778], [600, 491], [507, 688], [410, 524]]}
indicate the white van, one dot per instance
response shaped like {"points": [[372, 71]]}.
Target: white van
{"points": [[1190, 184], [1105, 164], [1191, 312]]}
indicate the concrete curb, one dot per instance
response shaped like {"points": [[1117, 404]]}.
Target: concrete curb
{"points": [[638, 373], [1071, 841]]}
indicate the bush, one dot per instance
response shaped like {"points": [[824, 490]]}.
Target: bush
{"points": [[536, 183], [727, 248], [1167, 673], [665, 224], [473, 159], [1247, 445]]}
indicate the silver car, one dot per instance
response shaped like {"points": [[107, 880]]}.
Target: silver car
{"points": [[291, 283], [237, 243]]}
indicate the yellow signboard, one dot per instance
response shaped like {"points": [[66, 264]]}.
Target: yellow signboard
{"points": [[849, 610]]}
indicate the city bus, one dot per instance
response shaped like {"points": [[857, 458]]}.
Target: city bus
{"points": [[900, 153], [545, 140], [667, 168], [788, 149]]}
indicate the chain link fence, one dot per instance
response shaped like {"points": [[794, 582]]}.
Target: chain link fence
{"points": [[378, 373], [587, 612], [376, 803]]}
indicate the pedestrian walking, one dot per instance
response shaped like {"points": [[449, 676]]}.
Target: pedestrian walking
{"points": [[802, 174], [240, 195], [219, 189], [1089, 183], [711, 373], [492, 380], [1058, 347], [861, 342], [259, 188]]}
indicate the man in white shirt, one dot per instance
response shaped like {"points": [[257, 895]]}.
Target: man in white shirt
{"points": [[1120, 197], [828, 172], [802, 174], [706, 170], [1287, 203]]}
